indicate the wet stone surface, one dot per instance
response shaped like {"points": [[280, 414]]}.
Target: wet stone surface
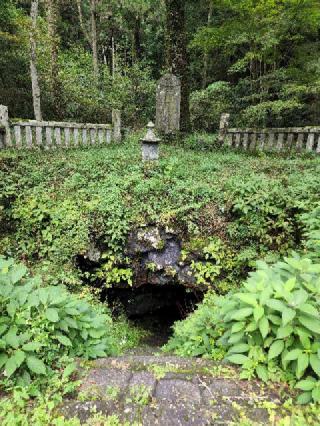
{"points": [[167, 390]]}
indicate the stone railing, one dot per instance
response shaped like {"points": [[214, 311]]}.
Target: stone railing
{"points": [[270, 139], [49, 134]]}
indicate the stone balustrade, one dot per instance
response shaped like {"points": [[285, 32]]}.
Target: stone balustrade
{"points": [[50, 134], [300, 139]]}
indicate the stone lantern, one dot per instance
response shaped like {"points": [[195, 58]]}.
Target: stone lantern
{"points": [[150, 144]]}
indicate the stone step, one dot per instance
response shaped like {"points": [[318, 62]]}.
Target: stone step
{"points": [[168, 390]]}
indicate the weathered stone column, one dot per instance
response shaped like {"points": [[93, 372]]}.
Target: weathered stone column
{"points": [[4, 122], [116, 122], [224, 125], [168, 105], [150, 145]]}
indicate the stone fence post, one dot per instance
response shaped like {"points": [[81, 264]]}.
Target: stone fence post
{"points": [[116, 122], [4, 122], [224, 126]]}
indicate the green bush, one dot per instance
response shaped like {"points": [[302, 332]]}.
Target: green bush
{"points": [[41, 325], [196, 335], [271, 326], [207, 105], [274, 320]]}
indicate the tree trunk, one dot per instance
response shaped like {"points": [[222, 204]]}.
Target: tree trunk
{"points": [[206, 54], [177, 56], [137, 38], [36, 95], [52, 18], [94, 43]]}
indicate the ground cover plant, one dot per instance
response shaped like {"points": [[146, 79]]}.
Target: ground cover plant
{"points": [[54, 206], [232, 207], [270, 327]]}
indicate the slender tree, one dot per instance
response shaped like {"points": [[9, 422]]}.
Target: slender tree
{"points": [[36, 94], [91, 36], [177, 55], [206, 53], [52, 20], [94, 41]]}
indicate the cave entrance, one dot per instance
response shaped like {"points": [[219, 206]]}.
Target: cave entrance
{"points": [[154, 308]]}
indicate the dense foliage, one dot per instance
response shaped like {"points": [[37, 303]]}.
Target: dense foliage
{"points": [[54, 206], [271, 326], [41, 325], [257, 59]]}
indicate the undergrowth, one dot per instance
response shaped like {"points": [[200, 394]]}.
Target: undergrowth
{"points": [[269, 326], [55, 206]]}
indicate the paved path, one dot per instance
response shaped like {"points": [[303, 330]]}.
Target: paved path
{"points": [[167, 390]]}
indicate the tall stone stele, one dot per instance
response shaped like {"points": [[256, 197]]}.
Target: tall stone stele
{"points": [[116, 123], [224, 126], [168, 105], [5, 137], [150, 145]]}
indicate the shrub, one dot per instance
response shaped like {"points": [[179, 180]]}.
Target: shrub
{"points": [[271, 326], [196, 335], [207, 105], [274, 320], [40, 325]]}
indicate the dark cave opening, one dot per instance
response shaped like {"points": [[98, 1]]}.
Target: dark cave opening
{"points": [[154, 308]]}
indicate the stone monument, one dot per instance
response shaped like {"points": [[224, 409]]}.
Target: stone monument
{"points": [[150, 145], [168, 104], [223, 128], [5, 137], [116, 122]]}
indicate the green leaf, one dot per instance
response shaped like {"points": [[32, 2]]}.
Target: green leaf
{"points": [[52, 315], [304, 398], [36, 365], [293, 355], [3, 359], [275, 349], [31, 346], [247, 298], [303, 362], [96, 334], [290, 284], [264, 327], [237, 359], [306, 385], [315, 364], [43, 295], [308, 309], [262, 373], [258, 313], [299, 297], [17, 273], [12, 339], [284, 332], [316, 394], [71, 368], [33, 300], [275, 304], [304, 339], [241, 314], [240, 348], [252, 326], [275, 319], [287, 316], [238, 326], [19, 356], [312, 324], [10, 366], [64, 340]]}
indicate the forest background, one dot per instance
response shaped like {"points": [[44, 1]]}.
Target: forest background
{"points": [[257, 59]]}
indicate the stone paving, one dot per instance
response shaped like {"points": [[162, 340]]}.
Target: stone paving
{"points": [[167, 390]]}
